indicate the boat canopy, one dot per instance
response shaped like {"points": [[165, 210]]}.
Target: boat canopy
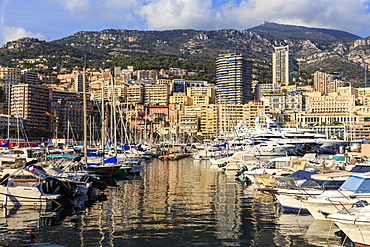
{"points": [[59, 156], [339, 158], [301, 174], [111, 160], [98, 154], [220, 145], [356, 184]]}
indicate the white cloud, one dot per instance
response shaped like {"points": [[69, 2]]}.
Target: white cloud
{"points": [[75, 5], [123, 5], [14, 33], [76, 15], [170, 14], [348, 15]]}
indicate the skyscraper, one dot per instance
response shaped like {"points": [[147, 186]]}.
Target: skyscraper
{"points": [[281, 65], [234, 79]]}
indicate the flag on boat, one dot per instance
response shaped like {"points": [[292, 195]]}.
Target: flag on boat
{"points": [[31, 169], [5, 144]]}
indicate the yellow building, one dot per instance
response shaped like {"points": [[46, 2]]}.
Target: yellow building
{"points": [[9, 76], [156, 94], [222, 118], [329, 109], [164, 81], [175, 111], [180, 98], [201, 95], [135, 93]]}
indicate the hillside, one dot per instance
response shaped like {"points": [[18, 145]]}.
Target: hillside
{"points": [[320, 48], [299, 32]]}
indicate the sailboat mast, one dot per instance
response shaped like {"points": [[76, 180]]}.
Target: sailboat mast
{"points": [[85, 113], [102, 118], [9, 102], [114, 120]]}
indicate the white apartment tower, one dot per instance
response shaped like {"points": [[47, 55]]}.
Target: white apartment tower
{"points": [[281, 62], [234, 79]]}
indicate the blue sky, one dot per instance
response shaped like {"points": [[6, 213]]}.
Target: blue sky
{"points": [[54, 19]]}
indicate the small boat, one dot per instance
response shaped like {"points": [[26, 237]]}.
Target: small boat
{"points": [[104, 171], [354, 222], [30, 192], [129, 166]]}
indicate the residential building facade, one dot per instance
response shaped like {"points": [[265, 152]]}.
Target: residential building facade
{"points": [[31, 102], [281, 65], [234, 79]]}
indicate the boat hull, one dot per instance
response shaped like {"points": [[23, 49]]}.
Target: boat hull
{"points": [[25, 196], [122, 171], [291, 203], [320, 209], [103, 171]]}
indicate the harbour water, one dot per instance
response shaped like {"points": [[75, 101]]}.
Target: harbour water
{"points": [[172, 203]]}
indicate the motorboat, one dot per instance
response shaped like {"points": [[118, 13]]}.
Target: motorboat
{"points": [[21, 187], [280, 166], [356, 188], [354, 222]]}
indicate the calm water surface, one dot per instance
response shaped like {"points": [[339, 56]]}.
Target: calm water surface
{"points": [[173, 203]]}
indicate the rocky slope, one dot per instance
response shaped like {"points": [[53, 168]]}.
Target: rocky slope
{"points": [[319, 48]]}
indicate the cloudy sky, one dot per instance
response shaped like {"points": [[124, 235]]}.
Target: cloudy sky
{"points": [[54, 19]]}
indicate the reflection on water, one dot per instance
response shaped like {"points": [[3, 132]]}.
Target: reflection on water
{"points": [[176, 203]]}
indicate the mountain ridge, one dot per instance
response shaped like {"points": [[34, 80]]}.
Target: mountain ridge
{"points": [[284, 31], [257, 43]]}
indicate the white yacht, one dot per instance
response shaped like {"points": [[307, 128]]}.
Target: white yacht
{"points": [[271, 130]]}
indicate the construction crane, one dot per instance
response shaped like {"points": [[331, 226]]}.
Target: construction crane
{"points": [[54, 116], [365, 72]]}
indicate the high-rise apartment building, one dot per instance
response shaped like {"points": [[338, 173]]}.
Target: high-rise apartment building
{"points": [[31, 102], [8, 77], [326, 83], [67, 108], [78, 83], [30, 77], [281, 63], [135, 93], [234, 79]]}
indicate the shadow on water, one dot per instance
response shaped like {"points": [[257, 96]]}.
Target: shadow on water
{"points": [[172, 203]]}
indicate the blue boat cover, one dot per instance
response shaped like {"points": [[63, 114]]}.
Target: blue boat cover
{"points": [[339, 158], [124, 147], [59, 156], [111, 160], [302, 174], [99, 154], [220, 145]]}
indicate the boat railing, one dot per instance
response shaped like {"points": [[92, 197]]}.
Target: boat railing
{"points": [[339, 205]]}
